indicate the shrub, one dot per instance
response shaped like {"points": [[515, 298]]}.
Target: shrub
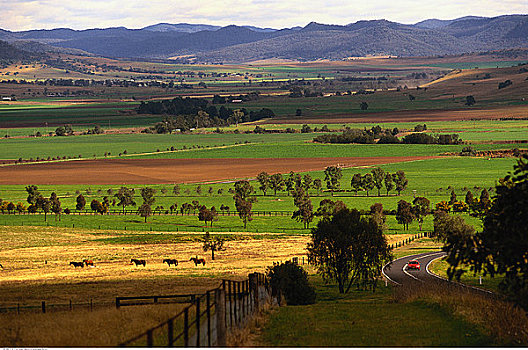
{"points": [[292, 281]]}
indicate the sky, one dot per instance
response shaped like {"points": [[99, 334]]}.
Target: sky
{"points": [[17, 15]]}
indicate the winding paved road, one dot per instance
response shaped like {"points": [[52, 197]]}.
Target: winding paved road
{"points": [[397, 272]]}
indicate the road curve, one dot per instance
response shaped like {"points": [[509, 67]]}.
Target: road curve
{"points": [[397, 272]]}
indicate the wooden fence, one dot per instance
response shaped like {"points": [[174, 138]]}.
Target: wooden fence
{"points": [[208, 318]]}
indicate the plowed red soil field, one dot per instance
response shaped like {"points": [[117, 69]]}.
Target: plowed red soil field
{"points": [[160, 171]]}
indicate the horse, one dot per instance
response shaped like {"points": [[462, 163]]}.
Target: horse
{"points": [[171, 262], [88, 262], [138, 262], [1, 266], [77, 264], [197, 261]]}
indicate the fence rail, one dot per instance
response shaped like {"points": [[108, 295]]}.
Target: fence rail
{"points": [[206, 320]]}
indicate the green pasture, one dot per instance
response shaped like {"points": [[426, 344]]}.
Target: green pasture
{"points": [[489, 283], [354, 319]]}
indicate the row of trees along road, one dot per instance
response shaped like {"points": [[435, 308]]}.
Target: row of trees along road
{"points": [[377, 178], [501, 248]]}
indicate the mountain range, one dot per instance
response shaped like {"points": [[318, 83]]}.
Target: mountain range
{"points": [[208, 43]]}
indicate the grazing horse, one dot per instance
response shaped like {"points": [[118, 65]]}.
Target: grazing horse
{"points": [[171, 262], [88, 262], [138, 262], [77, 264], [197, 261]]}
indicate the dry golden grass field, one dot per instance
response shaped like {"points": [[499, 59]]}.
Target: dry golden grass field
{"points": [[36, 268]]}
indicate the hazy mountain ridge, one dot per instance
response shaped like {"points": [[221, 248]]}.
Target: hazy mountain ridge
{"points": [[314, 41]]}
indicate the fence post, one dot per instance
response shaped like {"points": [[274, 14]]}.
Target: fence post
{"points": [[43, 307], [198, 322], [208, 309], [253, 284], [220, 317], [170, 332], [235, 301], [118, 302], [149, 338], [229, 291], [186, 327]]}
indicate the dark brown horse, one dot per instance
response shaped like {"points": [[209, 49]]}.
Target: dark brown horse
{"points": [[171, 262], [198, 261], [88, 262], [138, 262], [77, 264]]}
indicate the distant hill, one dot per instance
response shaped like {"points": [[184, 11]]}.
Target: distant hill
{"points": [[209, 43], [10, 52]]}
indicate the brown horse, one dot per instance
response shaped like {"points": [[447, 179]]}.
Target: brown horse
{"points": [[138, 262], [88, 262], [197, 261], [171, 262], [77, 264]]}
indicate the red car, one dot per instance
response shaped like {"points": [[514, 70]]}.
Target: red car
{"points": [[413, 265]]}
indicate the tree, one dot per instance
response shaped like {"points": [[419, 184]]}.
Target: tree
{"points": [[332, 176], [317, 185], [80, 202], [291, 280], [389, 182], [145, 210], [376, 212], [147, 194], [453, 197], [55, 205], [276, 182], [33, 194], [378, 176], [404, 214], [328, 207], [367, 182], [348, 249], [307, 182], [126, 197], [469, 198], [356, 183], [442, 206], [44, 204], [212, 244], [207, 215], [470, 100], [264, 179], [421, 208], [302, 201], [176, 189], [244, 200], [400, 181]]}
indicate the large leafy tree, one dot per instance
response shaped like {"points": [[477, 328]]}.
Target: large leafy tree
{"points": [[356, 183], [276, 182], [55, 205], [264, 179], [389, 182], [404, 214], [378, 175], [502, 246], [367, 182], [332, 176], [421, 208], [244, 200], [212, 244], [348, 249], [80, 202], [126, 197], [400, 181], [304, 212]]}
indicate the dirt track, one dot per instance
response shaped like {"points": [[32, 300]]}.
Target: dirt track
{"points": [[159, 171]]}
